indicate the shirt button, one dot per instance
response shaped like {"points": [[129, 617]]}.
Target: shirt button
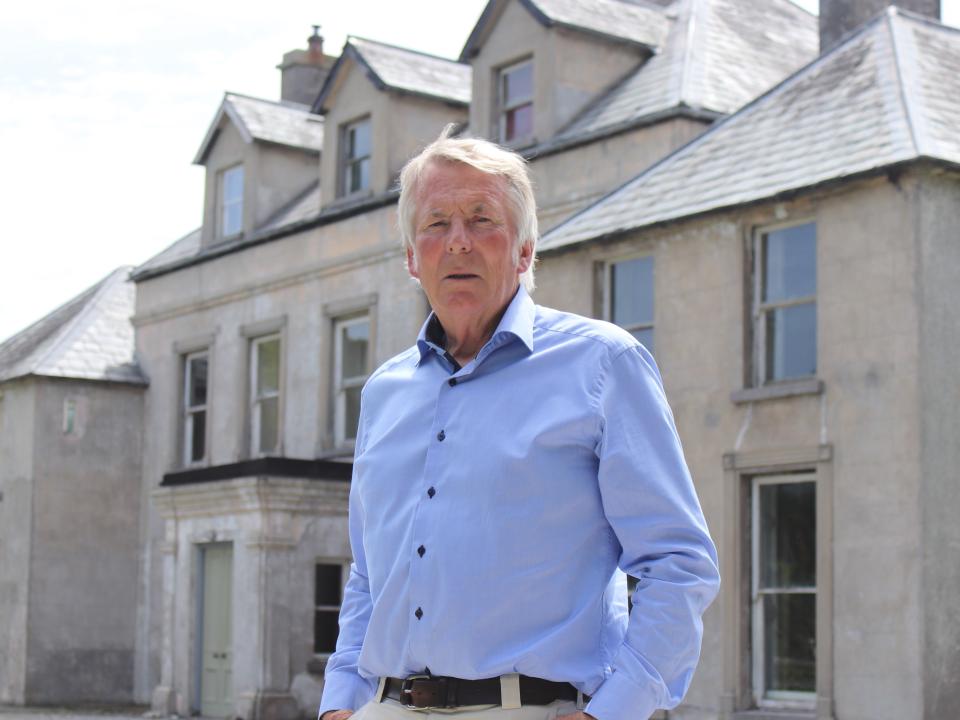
{"points": [[421, 550], [441, 435], [452, 382], [419, 613], [431, 492]]}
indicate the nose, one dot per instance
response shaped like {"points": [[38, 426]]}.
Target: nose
{"points": [[458, 241]]}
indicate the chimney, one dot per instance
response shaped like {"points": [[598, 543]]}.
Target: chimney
{"points": [[839, 17], [302, 72]]}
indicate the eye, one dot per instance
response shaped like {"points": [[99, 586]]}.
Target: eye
{"points": [[481, 219], [437, 223]]}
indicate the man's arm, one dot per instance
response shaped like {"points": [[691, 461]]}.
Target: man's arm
{"points": [[343, 688], [650, 502]]}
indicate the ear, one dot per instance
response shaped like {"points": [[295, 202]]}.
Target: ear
{"points": [[412, 264], [525, 259]]}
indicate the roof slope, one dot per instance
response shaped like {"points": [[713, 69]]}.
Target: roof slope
{"points": [[283, 123], [888, 94], [718, 56], [90, 337], [622, 20], [408, 71]]}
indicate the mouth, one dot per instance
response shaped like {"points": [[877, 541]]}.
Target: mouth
{"points": [[461, 276]]}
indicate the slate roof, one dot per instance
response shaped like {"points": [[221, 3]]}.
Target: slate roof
{"points": [[283, 123], [622, 20], [717, 56], [90, 337], [185, 247], [394, 68], [888, 94]]}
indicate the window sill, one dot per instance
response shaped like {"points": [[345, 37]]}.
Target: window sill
{"points": [[771, 714], [774, 391]]}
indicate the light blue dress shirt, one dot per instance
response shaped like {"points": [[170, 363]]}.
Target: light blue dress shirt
{"points": [[495, 509]]}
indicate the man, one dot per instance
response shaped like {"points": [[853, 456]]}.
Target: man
{"points": [[506, 466]]}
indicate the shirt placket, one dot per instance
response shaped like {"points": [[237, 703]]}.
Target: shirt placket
{"points": [[424, 573]]}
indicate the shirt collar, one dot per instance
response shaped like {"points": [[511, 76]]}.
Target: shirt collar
{"points": [[517, 321]]}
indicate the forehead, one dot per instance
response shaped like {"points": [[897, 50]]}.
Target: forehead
{"points": [[444, 184]]}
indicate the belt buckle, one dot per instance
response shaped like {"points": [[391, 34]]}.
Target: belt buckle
{"points": [[423, 691]]}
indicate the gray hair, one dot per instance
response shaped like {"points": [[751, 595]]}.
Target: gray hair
{"points": [[486, 157]]}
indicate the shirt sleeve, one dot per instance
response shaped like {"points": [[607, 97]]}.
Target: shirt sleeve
{"points": [[343, 686], [650, 502]]}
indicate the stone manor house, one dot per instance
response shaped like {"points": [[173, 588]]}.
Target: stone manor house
{"points": [[769, 202]]}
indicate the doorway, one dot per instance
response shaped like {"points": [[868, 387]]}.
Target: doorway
{"points": [[215, 632]]}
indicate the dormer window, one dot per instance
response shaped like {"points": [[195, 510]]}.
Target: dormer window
{"points": [[355, 156], [231, 201], [515, 100]]}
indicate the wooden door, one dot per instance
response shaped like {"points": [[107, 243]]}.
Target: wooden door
{"points": [[216, 681]]}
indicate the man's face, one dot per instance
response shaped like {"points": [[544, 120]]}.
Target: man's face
{"points": [[464, 239]]}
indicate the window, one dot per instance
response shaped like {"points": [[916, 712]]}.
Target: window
{"points": [[355, 157], [351, 365], [195, 408], [630, 297], [784, 589], [515, 100], [69, 416], [786, 311], [327, 595], [231, 201], [265, 395]]}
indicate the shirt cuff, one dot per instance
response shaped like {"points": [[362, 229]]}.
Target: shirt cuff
{"points": [[343, 691], [620, 699]]}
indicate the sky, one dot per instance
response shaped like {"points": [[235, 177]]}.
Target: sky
{"points": [[103, 105]]}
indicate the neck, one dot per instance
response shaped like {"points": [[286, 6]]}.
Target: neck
{"points": [[465, 335]]}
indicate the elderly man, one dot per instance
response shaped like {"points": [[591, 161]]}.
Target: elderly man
{"points": [[510, 468]]}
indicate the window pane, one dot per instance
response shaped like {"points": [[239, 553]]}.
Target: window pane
{"points": [[790, 643], [327, 584], [788, 527], [325, 631], [358, 144], [519, 123], [198, 433], [518, 84], [790, 263], [233, 184], [232, 219], [645, 336], [353, 348], [268, 367], [631, 291], [198, 381], [351, 413], [269, 416], [791, 334]]}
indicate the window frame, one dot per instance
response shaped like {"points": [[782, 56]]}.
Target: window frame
{"points": [[503, 107], [188, 411], [345, 164], [735, 547], [608, 309], [223, 203], [344, 566], [760, 309], [780, 699], [255, 400], [341, 385]]}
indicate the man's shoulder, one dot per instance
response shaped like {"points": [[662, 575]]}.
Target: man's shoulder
{"points": [[599, 334], [403, 362]]}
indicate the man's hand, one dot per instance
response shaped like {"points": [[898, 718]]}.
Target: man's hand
{"points": [[336, 715], [576, 716]]}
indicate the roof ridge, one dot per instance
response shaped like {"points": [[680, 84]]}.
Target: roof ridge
{"points": [[686, 63], [906, 91], [421, 53], [288, 104], [69, 329]]}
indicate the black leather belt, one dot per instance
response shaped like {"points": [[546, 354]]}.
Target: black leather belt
{"points": [[426, 691]]}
